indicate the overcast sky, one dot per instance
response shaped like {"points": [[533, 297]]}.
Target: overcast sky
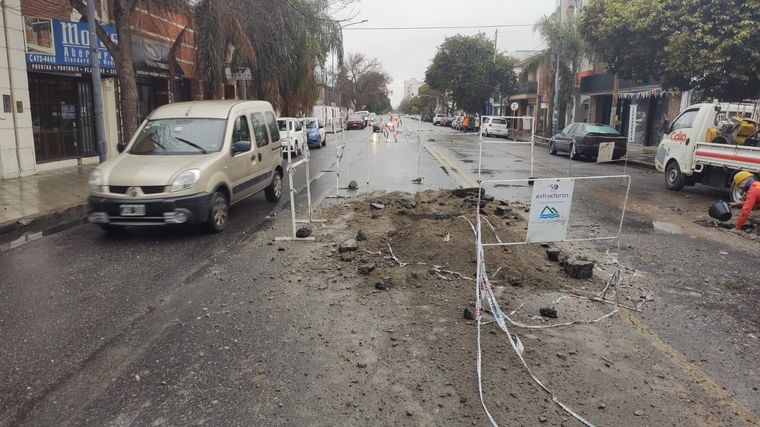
{"points": [[407, 53]]}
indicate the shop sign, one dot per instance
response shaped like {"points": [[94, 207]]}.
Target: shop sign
{"points": [[151, 58], [64, 46], [550, 210], [238, 73], [632, 123]]}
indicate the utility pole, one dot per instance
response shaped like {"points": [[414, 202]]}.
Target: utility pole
{"points": [[97, 89], [555, 107]]}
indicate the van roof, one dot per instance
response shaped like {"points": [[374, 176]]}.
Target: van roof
{"points": [[205, 109]]}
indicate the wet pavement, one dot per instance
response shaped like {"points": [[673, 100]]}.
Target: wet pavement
{"points": [[90, 322]]}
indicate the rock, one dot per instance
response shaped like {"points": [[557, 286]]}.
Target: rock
{"points": [[467, 192], [377, 206], [281, 249], [500, 211], [553, 254], [406, 204], [375, 215], [488, 197], [382, 286], [548, 312], [578, 268], [561, 356], [348, 256], [542, 419], [515, 281], [353, 185], [303, 233], [409, 413], [349, 245], [365, 269], [601, 405], [361, 365], [638, 412], [468, 314], [360, 236]]}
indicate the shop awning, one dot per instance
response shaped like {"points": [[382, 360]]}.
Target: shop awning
{"points": [[152, 58]]}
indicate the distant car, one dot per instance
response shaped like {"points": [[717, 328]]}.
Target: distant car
{"points": [[316, 136], [355, 121], [439, 120], [583, 139], [292, 135], [456, 124], [448, 121], [496, 126]]}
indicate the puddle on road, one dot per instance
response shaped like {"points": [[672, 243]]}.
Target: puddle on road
{"points": [[667, 227]]}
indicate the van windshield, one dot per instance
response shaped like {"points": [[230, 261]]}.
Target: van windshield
{"points": [[179, 136], [310, 124]]}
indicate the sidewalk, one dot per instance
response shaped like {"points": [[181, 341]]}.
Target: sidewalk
{"points": [[47, 199]]}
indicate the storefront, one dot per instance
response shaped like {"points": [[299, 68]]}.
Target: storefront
{"points": [[60, 89]]}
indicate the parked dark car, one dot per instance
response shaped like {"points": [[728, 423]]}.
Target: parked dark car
{"points": [[355, 121], [583, 139]]}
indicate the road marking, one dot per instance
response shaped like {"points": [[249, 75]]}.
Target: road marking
{"points": [[459, 176], [722, 396]]}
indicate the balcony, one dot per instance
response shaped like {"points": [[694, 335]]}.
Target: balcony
{"points": [[525, 89]]}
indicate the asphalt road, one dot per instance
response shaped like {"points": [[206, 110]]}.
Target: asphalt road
{"points": [[88, 320]]}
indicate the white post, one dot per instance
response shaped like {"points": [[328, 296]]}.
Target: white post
{"points": [[419, 147], [292, 190], [308, 181]]}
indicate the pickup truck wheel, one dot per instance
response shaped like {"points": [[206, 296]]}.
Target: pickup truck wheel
{"points": [[274, 191], [673, 176], [217, 217], [736, 194]]}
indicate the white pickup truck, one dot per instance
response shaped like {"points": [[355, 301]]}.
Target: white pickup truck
{"points": [[688, 156]]}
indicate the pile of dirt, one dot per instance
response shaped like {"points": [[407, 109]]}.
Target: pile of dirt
{"points": [[404, 267]]}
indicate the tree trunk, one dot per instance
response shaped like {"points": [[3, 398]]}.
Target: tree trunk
{"points": [[126, 71]]}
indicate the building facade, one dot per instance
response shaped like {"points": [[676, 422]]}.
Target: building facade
{"points": [[46, 77], [412, 88]]}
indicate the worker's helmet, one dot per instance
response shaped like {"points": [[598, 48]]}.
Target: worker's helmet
{"points": [[741, 177]]}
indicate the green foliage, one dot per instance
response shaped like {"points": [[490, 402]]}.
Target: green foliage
{"points": [[379, 104], [463, 69], [567, 40], [710, 46]]}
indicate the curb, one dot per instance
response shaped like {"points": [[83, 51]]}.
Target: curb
{"points": [[43, 224]]}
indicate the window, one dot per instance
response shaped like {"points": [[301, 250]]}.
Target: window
{"points": [[607, 130], [259, 129], [685, 120], [241, 132], [499, 121], [274, 131], [568, 130]]}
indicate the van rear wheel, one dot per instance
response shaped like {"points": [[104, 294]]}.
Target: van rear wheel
{"points": [[274, 191], [673, 176]]}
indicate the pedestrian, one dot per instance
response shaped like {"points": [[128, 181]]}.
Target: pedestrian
{"points": [[748, 182]]}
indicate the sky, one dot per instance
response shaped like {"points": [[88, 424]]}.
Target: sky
{"points": [[405, 54]]}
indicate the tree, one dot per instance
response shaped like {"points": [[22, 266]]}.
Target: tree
{"points": [[361, 78], [463, 69], [565, 39], [707, 46], [405, 107]]}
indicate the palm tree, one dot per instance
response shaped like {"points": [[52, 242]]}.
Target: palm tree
{"points": [[566, 39]]}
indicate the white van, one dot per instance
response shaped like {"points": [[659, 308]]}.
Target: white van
{"points": [[292, 134], [187, 163]]}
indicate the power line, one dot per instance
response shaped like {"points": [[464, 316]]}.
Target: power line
{"points": [[460, 27]]}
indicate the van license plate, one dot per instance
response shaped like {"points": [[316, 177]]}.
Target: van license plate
{"points": [[132, 210]]}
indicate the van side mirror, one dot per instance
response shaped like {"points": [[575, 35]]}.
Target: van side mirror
{"points": [[665, 126], [241, 147], [321, 126], [120, 147]]}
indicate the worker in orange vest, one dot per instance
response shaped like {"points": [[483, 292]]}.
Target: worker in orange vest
{"points": [[466, 122], [747, 181]]}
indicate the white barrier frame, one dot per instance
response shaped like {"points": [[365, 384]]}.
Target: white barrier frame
{"points": [[339, 151], [293, 220], [587, 239], [532, 143]]}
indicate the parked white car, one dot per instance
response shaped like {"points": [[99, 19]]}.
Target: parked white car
{"points": [[292, 135], [496, 126]]}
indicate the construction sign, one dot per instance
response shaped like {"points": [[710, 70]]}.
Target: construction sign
{"points": [[550, 210]]}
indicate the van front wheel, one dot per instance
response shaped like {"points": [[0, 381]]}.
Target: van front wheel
{"points": [[218, 213], [673, 176]]}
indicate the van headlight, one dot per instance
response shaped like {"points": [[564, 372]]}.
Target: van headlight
{"points": [[96, 181], [185, 180]]}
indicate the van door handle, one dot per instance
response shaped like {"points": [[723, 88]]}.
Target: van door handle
{"points": [[687, 141], [253, 158], [259, 156]]}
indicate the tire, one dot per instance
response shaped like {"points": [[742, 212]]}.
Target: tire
{"points": [[736, 194], [112, 229], [218, 213], [573, 153], [274, 191], [552, 148], [673, 176]]}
